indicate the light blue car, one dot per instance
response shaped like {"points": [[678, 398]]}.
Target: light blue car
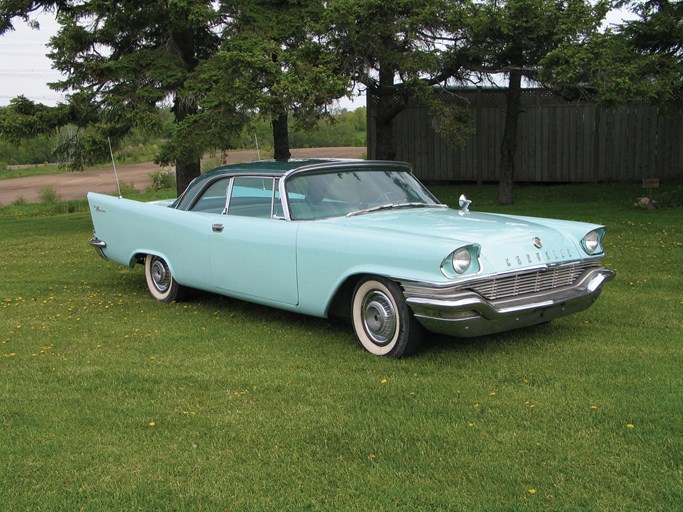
{"points": [[360, 240]]}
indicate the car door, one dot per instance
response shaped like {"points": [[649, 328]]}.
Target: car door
{"points": [[252, 250]]}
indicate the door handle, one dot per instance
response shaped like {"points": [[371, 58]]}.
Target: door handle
{"points": [[217, 228]]}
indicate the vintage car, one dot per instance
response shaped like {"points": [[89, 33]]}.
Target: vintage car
{"points": [[359, 240]]}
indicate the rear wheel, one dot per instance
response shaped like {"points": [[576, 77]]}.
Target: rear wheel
{"points": [[382, 321], [160, 281]]}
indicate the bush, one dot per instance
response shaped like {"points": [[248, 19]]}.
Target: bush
{"points": [[671, 199], [49, 195], [162, 180], [127, 188]]}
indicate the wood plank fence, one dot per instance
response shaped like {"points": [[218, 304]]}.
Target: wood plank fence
{"points": [[558, 141]]}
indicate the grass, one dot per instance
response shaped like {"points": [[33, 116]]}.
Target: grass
{"points": [[25, 171], [115, 402]]}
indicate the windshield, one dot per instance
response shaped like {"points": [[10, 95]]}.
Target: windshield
{"points": [[353, 191]]}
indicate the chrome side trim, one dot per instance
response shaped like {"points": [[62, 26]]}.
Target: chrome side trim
{"points": [[465, 313], [99, 246]]}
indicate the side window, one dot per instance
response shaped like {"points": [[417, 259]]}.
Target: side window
{"points": [[213, 198], [252, 197]]}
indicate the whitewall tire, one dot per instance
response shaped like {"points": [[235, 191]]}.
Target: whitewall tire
{"points": [[383, 322], [160, 281]]}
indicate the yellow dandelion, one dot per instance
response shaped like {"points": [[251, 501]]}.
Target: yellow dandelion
{"points": [[532, 491], [492, 393], [152, 424], [630, 425], [383, 381]]}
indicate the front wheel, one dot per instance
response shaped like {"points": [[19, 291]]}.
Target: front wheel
{"points": [[382, 321], [160, 281]]}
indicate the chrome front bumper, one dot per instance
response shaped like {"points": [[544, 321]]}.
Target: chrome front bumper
{"points": [[465, 313]]}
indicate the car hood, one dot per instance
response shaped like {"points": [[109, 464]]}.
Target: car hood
{"points": [[507, 242]]}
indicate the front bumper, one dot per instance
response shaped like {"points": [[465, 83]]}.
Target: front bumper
{"points": [[465, 313]]}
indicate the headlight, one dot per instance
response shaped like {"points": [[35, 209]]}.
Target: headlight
{"points": [[592, 242], [461, 260], [464, 260]]}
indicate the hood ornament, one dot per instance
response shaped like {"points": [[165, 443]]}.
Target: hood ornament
{"points": [[537, 242], [464, 203]]}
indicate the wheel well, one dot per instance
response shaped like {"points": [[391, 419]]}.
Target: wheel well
{"points": [[340, 306]]}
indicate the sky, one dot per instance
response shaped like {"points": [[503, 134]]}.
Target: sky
{"points": [[26, 69]]}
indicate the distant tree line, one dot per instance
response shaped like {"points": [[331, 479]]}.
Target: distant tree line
{"points": [[220, 64], [341, 128]]}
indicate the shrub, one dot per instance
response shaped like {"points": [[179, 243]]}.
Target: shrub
{"points": [[127, 188], [19, 201], [49, 195], [671, 199], [162, 180]]}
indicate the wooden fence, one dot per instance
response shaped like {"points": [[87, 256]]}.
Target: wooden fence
{"points": [[558, 141]]}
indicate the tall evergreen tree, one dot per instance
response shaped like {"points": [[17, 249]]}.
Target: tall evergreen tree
{"points": [[511, 40], [392, 50], [284, 67], [122, 59]]}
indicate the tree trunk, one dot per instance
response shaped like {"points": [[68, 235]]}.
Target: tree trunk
{"points": [[186, 169], [281, 138], [389, 105], [508, 148], [384, 148]]}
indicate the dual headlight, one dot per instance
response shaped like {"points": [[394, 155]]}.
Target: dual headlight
{"points": [[592, 242], [464, 260]]}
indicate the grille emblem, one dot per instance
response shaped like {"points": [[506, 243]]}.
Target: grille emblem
{"points": [[537, 242]]}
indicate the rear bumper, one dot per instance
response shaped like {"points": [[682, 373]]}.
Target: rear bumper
{"points": [[99, 246], [464, 313]]}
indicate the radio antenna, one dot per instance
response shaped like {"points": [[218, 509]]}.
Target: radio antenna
{"points": [[258, 151], [118, 186]]}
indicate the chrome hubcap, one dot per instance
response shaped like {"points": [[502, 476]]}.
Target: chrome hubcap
{"points": [[379, 317], [161, 276]]}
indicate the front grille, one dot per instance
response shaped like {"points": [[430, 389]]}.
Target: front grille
{"points": [[508, 286]]}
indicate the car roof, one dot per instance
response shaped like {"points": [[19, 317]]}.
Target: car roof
{"points": [[276, 169], [279, 168]]}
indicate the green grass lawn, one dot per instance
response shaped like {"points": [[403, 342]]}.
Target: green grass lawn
{"points": [[111, 401]]}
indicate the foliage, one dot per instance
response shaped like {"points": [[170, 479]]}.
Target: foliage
{"points": [[162, 180], [392, 49], [271, 61], [513, 40], [342, 128], [37, 149], [49, 195], [125, 189], [671, 198], [115, 402], [639, 59]]}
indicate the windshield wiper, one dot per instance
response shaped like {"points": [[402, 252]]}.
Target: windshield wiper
{"points": [[390, 206]]}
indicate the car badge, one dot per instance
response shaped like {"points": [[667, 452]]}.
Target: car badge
{"points": [[537, 242]]}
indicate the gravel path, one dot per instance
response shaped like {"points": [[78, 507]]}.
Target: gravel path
{"points": [[75, 185]]}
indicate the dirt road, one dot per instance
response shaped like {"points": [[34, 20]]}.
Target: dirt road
{"points": [[75, 185]]}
